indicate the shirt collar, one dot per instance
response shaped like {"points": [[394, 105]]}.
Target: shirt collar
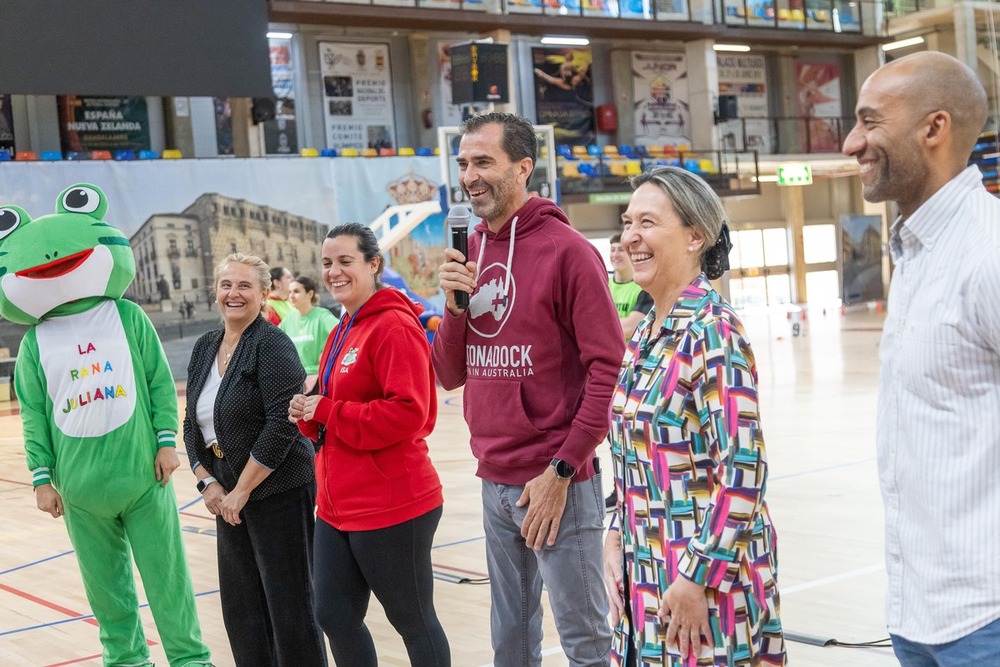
{"points": [[928, 222], [684, 308]]}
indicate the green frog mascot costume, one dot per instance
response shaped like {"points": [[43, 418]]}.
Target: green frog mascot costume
{"points": [[100, 420]]}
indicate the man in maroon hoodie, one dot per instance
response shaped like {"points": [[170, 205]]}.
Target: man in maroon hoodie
{"points": [[538, 351]]}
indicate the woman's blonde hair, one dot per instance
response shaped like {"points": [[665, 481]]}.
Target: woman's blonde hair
{"points": [[260, 268]]}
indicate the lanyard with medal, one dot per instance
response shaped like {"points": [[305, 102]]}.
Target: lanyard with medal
{"points": [[339, 338]]}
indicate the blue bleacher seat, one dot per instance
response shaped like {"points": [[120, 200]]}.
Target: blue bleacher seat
{"points": [[50, 156], [424, 151], [148, 155], [77, 155], [5, 156], [328, 152], [124, 155]]}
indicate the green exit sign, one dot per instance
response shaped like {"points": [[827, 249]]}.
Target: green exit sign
{"points": [[794, 174], [609, 197]]}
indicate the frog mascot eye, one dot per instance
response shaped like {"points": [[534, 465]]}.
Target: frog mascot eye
{"points": [[61, 263], [82, 199], [11, 218]]}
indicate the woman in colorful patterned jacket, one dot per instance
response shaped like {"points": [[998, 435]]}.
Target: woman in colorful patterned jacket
{"points": [[690, 561]]}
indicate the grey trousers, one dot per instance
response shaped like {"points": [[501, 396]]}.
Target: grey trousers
{"points": [[572, 571]]}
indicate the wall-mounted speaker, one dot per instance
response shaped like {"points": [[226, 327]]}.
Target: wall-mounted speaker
{"points": [[263, 109], [728, 108]]}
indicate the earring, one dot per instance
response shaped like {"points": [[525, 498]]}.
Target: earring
{"points": [[690, 248]]}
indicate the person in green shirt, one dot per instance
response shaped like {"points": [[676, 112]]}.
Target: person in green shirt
{"points": [[632, 303], [278, 306], [308, 326]]}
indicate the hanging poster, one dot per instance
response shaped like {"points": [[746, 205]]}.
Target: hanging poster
{"points": [[745, 77], [357, 95], [861, 238], [818, 86], [279, 132], [223, 126], [103, 123], [564, 94], [6, 125], [451, 113], [660, 91]]}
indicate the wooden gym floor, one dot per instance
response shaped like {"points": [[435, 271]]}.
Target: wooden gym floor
{"points": [[818, 397]]}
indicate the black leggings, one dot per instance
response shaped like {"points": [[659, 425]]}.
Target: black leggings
{"points": [[395, 564]]}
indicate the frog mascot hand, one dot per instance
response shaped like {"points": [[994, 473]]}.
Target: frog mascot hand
{"points": [[100, 420]]}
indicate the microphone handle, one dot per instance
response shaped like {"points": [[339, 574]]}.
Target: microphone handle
{"points": [[460, 242]]}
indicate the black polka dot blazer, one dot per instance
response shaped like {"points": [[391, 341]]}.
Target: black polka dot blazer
{"points": [[251, 410]]}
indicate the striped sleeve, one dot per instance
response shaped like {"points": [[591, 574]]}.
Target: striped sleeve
{"points": [[30, 384], [726, 400], [166, 439]]}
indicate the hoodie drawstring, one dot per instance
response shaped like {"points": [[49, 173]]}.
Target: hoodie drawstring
{"points": [[510, 258]]}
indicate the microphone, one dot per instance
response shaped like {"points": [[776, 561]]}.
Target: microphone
{"points": [[458, 227]]}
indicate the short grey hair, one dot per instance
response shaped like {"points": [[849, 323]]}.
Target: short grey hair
{"points": [[696, 203], [698, 207]]}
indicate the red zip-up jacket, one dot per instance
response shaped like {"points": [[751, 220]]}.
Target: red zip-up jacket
{"points": [[379, 404]]}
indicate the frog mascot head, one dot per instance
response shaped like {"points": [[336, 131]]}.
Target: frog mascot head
{"points": [[62, 263]]}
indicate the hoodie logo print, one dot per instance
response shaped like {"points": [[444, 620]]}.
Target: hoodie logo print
{"points": [[349, 358], [489, 307]]}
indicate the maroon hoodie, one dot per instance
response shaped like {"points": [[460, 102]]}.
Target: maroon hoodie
{"points": [[538, 350]]}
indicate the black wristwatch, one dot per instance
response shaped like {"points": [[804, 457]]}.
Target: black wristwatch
{"points": [[203, 483], [563, 469]]}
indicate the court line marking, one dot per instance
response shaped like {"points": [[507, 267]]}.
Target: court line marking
{"points": [[850, 574], [823, 581], [41, 560], [819, 470], [89, 618]]}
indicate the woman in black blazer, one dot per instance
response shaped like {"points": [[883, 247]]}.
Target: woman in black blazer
{"points": [[255, 472]]}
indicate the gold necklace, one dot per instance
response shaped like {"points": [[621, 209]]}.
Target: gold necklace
{"points": [[229, 354]]}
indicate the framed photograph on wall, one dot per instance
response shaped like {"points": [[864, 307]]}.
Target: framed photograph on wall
{"points": [[357, 95]]}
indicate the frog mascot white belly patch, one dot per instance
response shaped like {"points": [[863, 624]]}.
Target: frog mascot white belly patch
{"points": [[99, 409]]}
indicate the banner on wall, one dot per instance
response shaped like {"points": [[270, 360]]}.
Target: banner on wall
{"points": [[451, 113], [6, 124], [660, 92], [103, 123], [746, 78], [818, 86], [479, 73], [861, 238], [357, 95], [564, 94], [223, 126], [324, 191], [279, 132]]}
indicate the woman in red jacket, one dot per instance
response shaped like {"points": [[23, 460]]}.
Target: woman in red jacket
{"points": [[378, 498]]}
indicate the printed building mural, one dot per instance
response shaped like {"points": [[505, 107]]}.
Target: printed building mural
{"points": [[176, 253]]}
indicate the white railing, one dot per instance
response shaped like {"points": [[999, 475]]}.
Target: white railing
{"points": [[408, 216]]}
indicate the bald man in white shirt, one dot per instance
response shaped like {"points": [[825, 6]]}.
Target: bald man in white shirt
{"points": [[938, 430]]}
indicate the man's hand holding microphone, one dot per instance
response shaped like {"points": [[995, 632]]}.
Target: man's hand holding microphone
{"points": [[457, 276]]}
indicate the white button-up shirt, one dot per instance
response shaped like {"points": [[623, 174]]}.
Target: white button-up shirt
{"points": [[938, 428]]}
